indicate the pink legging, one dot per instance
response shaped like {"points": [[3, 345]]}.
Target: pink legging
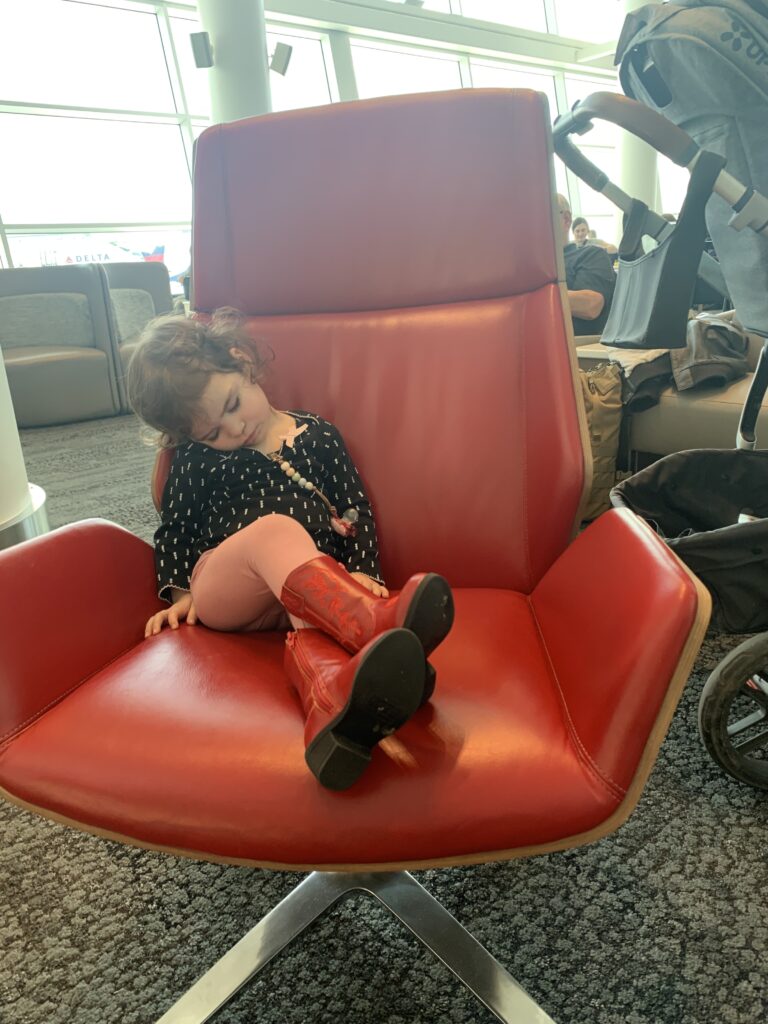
{"points": [[236, 586]]}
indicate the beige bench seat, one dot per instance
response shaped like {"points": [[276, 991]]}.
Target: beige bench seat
{"points": [[48, 383], [703, 417], [700, 418]]}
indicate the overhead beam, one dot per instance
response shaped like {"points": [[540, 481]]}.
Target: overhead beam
{"points": [[445, 31], [597, 53]]}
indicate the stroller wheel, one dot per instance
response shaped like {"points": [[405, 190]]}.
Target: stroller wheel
{"points": [[733, 712]]}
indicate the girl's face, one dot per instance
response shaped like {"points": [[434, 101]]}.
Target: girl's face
{"points": [[580, 234], [232, 413]]}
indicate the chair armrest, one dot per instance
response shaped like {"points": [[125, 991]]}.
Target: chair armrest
{"points": [[622, 620], [71, 601]]}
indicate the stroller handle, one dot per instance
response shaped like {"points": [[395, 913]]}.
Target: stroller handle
{"points": [[575, 160], [750, 208], [640, 120], [745, 436]]}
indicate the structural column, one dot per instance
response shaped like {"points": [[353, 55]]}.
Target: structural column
{"points": [[22, 505], [239, 78], [638, 168]]}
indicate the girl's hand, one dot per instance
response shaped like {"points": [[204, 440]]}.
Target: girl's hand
{"points": [[178, 611], [369, 584]]}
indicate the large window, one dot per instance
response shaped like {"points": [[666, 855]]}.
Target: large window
{"points": [[78, 54], [194, 80], [593, 20], [97, 140], [494, 75], [307, 81], [100, 103], [167, 245], [519, 13], [89, 170], [386, 70], [601, 146], [488, 74], [597, 20], [673, 184]]}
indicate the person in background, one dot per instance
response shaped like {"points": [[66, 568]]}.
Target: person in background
{"points": [[589, 277], [582, 235], [580, 229]]}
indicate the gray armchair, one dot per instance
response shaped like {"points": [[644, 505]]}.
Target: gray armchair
{"points": [[58, 344], [138, 292]]}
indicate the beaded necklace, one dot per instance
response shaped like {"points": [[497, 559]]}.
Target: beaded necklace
{"points": [[343, 525]]}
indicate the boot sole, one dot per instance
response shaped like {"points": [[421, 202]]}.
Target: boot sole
{"points": [[430, 617], [387, 689], [430, 613]]}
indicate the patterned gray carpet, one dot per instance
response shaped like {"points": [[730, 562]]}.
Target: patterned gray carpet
{"points": [[664, 922]]}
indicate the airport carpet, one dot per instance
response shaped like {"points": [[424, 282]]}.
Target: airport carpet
{"points": [[664, 922]]}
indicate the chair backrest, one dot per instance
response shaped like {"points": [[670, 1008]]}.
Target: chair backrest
{"points": [[401, 258], [59, 307], [139, 292], [160, 470]]}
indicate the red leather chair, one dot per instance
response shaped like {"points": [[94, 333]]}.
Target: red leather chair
{"points": [[375, 247]]}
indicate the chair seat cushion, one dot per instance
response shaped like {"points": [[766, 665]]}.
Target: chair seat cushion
{"points": [[57, 384], [700, 418], [35, 355], [192, 741]]}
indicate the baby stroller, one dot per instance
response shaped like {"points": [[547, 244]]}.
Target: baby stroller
{"points": [[704, 66], [710, 506]]}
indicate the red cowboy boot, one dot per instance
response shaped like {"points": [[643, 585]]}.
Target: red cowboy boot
{"points": [[351, 703], [324, 594]]}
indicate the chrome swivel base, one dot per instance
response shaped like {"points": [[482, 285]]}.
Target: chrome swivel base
{"points": [[409, 901]]}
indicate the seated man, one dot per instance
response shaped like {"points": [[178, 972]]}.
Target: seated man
{"points": [[589, 278]]}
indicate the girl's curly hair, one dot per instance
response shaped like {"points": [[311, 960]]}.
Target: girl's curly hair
{"points": [[173, 361]]}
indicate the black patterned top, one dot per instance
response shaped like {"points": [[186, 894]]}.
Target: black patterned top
{"points": [[212, 494]]}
